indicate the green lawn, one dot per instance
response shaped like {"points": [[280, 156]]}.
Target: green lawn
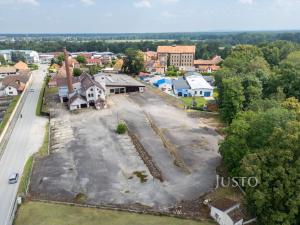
{"points": [[35, 213], [8, 112], [188, 101], [25, 175], [40, 100]]}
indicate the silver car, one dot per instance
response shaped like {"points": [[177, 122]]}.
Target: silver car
{"points": [[13, 178]]}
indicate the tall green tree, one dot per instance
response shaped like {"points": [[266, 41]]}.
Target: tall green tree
{"points": [[133, 62], [252, 89], [276, 200], [77, 72], [81, 59], [232, 98]]}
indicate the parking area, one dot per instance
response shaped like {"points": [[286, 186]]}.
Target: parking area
{"points": [[89, 162]]}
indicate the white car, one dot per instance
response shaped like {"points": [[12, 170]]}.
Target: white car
{"points": [[13, 178]]}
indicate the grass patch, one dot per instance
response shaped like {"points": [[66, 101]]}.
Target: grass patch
{"points": [[188, 101], [121, 128], [8, 112], [36, 213], [25, 176], [43, 151], [141, 175], [39, 105]]}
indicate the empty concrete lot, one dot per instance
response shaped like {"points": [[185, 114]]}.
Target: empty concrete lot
{"points": [[90, 161]]}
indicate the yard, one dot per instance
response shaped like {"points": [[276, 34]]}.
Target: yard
{"points": [[36, 213], [188, 101]]}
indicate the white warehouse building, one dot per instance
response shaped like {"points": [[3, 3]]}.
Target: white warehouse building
{"points": [[198, 85]]}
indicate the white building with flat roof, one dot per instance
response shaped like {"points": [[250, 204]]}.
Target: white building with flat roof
{"points": [[198, 85]]}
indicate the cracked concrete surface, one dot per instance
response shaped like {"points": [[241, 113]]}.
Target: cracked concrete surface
{"points": [[88, 157]]}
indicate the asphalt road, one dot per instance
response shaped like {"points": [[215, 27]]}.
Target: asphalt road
{"points": [[26, 138]]}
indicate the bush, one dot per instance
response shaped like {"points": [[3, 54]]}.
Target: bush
{"points": [[121, 128]]}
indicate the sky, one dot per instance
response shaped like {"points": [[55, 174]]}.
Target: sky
{"points": [[135, 16]]}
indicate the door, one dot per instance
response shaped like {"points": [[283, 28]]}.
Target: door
{"points": [[206, 94]]}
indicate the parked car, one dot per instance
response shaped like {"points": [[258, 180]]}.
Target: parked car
{"points": [[13, 178]]}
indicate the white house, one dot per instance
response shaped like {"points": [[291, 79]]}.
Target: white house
{"points": [[15, 84], [226, 212], [11, 90], [198, 85], [87, 92]]}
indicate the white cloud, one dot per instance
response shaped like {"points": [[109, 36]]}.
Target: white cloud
{"points": [[142, 4], [88, 2], [247, 2]]}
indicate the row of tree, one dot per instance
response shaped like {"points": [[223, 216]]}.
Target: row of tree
{"points": [[259, 92]]}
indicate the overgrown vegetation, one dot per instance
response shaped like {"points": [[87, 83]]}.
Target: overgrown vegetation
{"points": [[25, 176], [40, 102], [44, 149], [121, 128]]}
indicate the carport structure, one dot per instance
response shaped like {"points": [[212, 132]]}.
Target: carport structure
{"points": [[119, 83]]}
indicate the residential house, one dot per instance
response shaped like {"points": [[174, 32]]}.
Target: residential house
{"points": [[7, 71], [208, 66], [86, 92], [229, 212], [176, 55], [181, 87], [14, 84], [198, 85], [154, 67], [150, 55], [226, 212], [21, 66], [93, 61]]}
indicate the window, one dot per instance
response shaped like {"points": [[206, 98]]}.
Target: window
{"points": [[92, 89], [112, 90], [10, 92], [195, 92], [200, 92], [92, 95]]}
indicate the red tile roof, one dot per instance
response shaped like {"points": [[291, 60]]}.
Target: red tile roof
{"points": [[176, 49]]}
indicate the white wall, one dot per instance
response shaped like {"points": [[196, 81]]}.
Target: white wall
{"points": [[93, 93], [11, 91], [200, 92]]}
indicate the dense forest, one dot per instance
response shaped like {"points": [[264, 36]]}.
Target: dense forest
{"points": [[259, 89], [208, 44]]}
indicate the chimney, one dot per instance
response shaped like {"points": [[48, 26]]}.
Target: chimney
{"points": [[69, 76]]}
